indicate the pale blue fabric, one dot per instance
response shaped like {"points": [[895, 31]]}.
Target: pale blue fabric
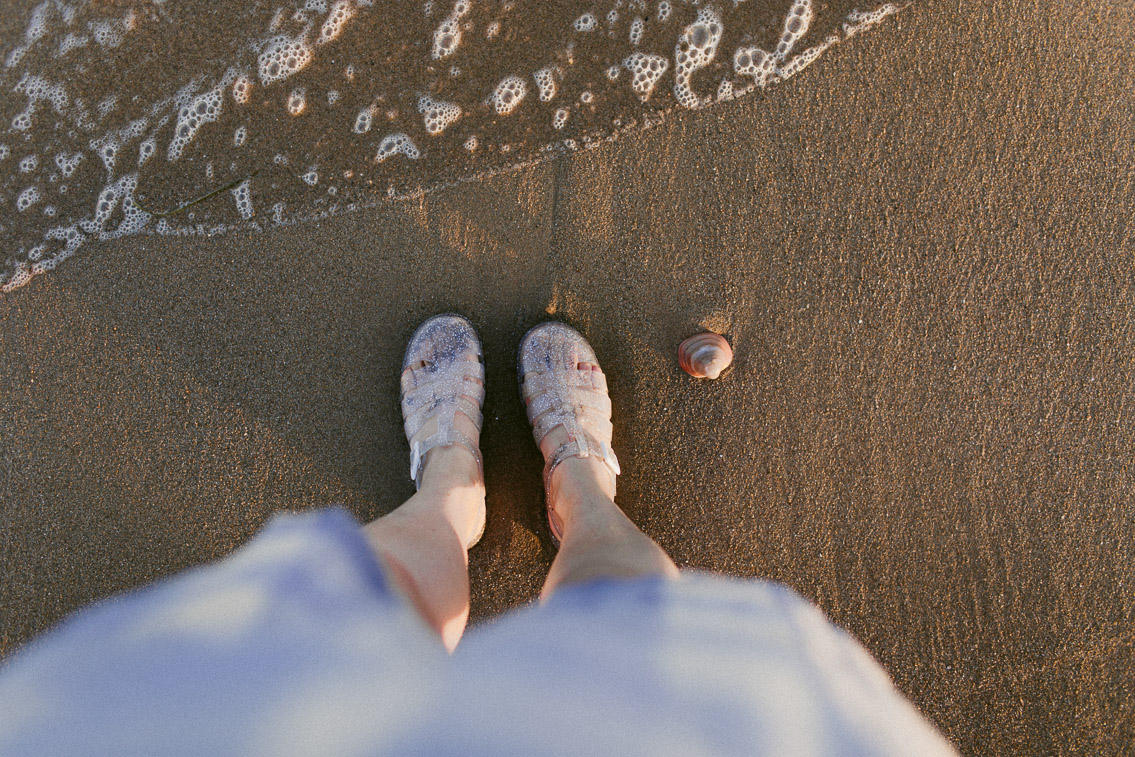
{"points": [[295, 645]]}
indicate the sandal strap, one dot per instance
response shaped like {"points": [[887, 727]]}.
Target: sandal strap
{"points": [[471, 371], [583, 445], [552, 401], [543, 381], [445, 437], [419, 417], [575, 424]]}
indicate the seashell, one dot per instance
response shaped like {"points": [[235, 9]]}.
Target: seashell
{"points": [[705, 355]]}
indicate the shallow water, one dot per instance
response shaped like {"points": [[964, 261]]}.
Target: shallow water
{"points": [[194, 118]]}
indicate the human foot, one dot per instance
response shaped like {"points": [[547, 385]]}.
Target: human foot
{"points": [[442, 391], [565, 394]]}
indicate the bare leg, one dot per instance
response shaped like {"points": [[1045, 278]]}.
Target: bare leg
{"points": [[422, 543], [599, 540]]}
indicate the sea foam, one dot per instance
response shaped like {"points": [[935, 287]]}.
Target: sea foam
{"points": [[249, 111]]}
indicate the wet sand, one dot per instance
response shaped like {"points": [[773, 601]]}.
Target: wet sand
{"points": [[921, 248]]}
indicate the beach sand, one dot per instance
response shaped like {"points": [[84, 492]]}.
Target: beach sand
{"points": [[920, 248]]}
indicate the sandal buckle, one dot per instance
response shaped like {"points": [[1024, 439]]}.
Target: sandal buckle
{"points": [[609, 458], [415, 461]]}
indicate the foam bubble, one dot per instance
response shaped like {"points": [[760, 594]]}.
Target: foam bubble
{"points": [[242, 196], [37, 24], [341, 13], [297, 101], [49, 211], [282, 57], [134, 219], [27, 198], [13, 58], [545, 83], [697, 45], [71, 42], [447, 36], [107, 149], [664, 10], [613, 72], [796, 25], [133, 130], [28, 164], [804, 59], [637, 27], [493, 30], [106, 105], [242, 89], [146, 150], [240, 135], [508, 94], [438, 114], [107, 33], [857, 21], [71, 240], [585, 23], [754, 62], [203, 109], [394, 144], [5, 151], [612, 17], [68, 163], [36, 28], [585, 96], [646, 69], [104, 207], [363, 120], [37, 89], [332, 96], [471, 143], [311, 178], [559, 119]]}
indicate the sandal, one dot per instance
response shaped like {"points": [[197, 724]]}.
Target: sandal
{"points": [[562, 385], [453, 381]]}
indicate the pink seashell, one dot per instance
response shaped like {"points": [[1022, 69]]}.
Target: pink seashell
{"points": [[705, 355]]}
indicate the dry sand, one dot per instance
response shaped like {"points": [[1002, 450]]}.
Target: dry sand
{"points": [[921, 248]]}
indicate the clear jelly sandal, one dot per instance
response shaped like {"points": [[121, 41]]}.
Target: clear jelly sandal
{"points": [[443, 374], [562, 385]]}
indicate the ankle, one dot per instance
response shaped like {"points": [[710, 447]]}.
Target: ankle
{"points": [[453, 486], [580, 487], [446, 469]]}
